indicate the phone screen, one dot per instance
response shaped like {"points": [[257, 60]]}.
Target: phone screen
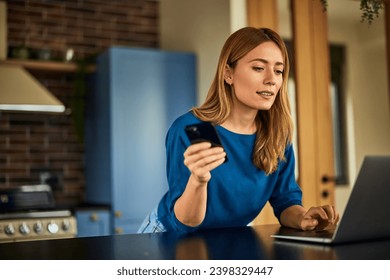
{"points": [[203, 132]]}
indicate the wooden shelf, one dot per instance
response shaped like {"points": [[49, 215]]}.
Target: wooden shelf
{"points": [[68, 67]]}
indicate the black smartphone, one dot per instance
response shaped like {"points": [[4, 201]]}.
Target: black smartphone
{"points": [[204, 132]]}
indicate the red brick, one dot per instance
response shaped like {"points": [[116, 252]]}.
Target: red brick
{"points": [[33, 142]]}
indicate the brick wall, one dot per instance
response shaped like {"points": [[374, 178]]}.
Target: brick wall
{"points": [[32, 144]]}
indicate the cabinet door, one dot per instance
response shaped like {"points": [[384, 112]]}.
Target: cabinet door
{"points": [[93, 223], [148, 90]]}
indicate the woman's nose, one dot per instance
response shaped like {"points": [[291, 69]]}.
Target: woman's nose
{"points": [[269, 78]]}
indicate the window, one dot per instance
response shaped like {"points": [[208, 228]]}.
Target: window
{"points": [[337, 59]]}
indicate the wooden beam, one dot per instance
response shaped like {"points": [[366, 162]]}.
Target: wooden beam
{"points": [[312, 69], [304, 81], [262, 13]]}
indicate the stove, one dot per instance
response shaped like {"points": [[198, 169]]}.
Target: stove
{"points": [[27, 213], [40, 225]]}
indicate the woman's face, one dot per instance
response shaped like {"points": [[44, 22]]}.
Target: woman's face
{"points": [[257, 77]]}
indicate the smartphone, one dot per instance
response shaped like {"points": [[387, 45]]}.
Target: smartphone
{"points": [[204, 132]]}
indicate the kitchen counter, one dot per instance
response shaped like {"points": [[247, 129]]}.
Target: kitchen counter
{"points": [[230, 243]]}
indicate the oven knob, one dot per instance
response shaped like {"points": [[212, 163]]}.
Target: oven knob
{"points": [[24, 229], [66, 225], [9, 229], [52, 227], [38, 227]]}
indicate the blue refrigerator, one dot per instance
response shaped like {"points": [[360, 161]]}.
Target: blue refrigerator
{"points": [[135, 96]]}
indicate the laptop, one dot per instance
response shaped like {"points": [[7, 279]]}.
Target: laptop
{"points": [[366, 214]]}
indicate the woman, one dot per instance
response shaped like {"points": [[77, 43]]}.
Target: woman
{"points": [[248, 104]]}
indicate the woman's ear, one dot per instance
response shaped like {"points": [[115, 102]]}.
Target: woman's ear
{"points": [[228, 75]]}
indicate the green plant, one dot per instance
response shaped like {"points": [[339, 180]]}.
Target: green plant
{"points": [[79, 94], [78, 98], [324, 4], [370, 9]]}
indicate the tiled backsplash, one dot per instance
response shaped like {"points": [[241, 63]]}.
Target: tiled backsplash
{"points": [[33, 145]]}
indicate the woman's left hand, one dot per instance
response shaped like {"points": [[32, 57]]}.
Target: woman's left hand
{"points": [[318, 218]]}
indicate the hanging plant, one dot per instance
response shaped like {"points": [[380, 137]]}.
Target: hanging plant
{"points": [[324, 4], [370, 9]]}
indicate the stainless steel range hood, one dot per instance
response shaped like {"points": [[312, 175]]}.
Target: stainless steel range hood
{"points": [[20, 91]]}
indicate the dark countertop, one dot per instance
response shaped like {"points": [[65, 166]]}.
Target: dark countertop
{"points": [[230, 243]]}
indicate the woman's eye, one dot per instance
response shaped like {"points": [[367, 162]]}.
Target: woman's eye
{"points": [[279, 72], [257, 68]]}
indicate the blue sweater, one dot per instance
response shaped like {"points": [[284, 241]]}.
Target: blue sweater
{"points": [[237, 190]]}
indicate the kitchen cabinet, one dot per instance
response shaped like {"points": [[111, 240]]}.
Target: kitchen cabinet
{"points": [[92, 222], [135, 94]]}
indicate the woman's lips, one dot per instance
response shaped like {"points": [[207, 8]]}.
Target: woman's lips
{"points": [[265, 93]]}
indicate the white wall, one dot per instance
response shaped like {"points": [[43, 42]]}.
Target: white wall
{"points": [[368, 104], [200, 26]]}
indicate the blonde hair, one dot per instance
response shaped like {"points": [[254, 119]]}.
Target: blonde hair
{"points": [[274, 126]]}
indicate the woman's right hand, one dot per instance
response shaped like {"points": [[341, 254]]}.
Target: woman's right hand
{"points": [[190, 208], [201, 158]]}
